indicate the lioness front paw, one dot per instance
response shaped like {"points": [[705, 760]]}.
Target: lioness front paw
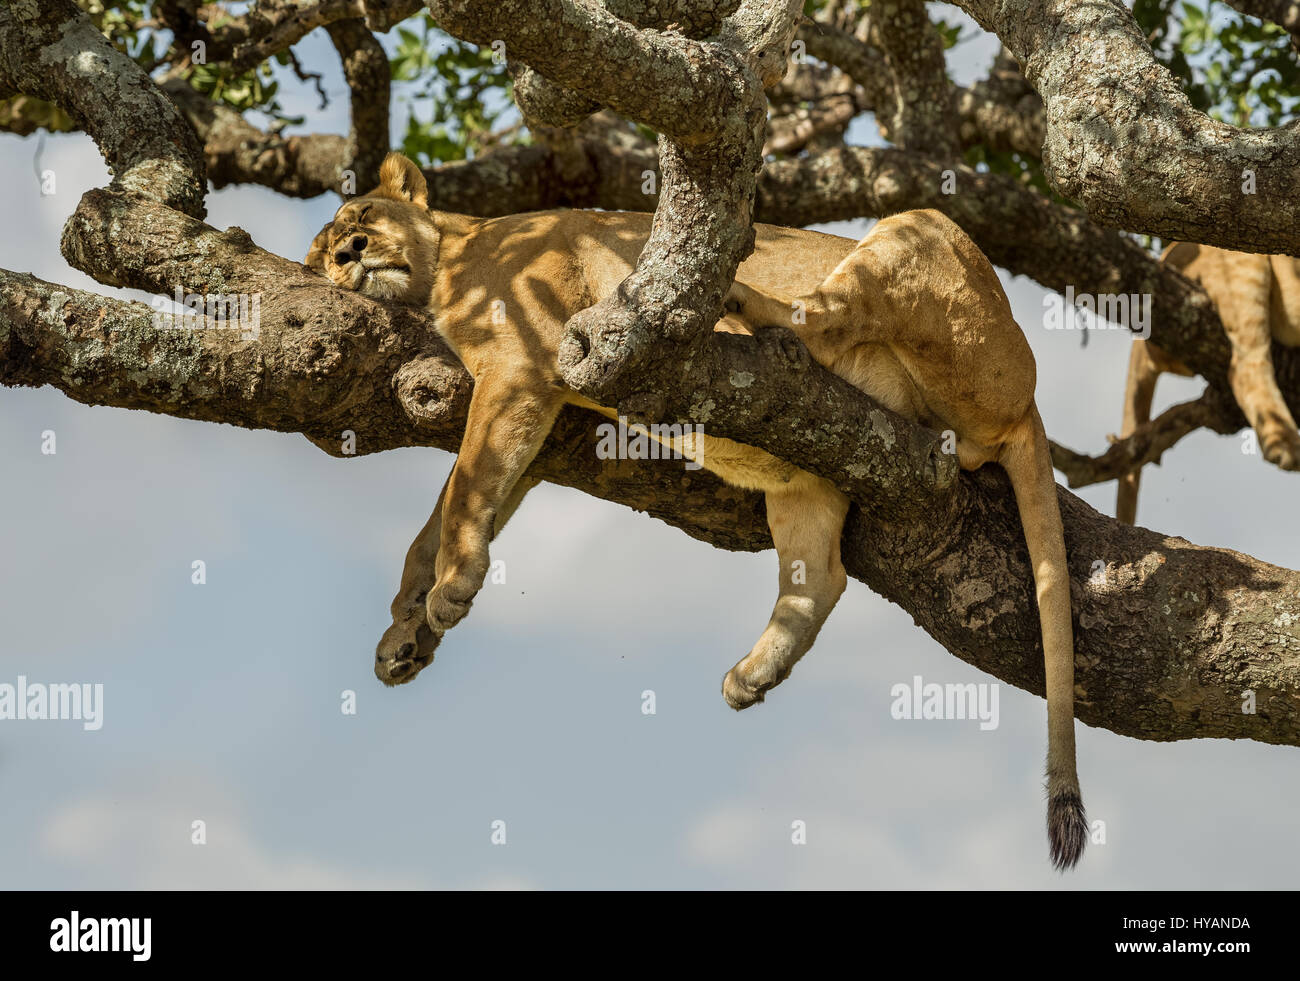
{"points": [[738, 693], [405, 650], [782, 343], [449, 602], [1282, 449], [747, 682]]}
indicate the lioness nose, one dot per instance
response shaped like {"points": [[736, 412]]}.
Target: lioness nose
{"points": [[357, 246]]}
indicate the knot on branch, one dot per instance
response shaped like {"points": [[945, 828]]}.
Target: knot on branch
{"points": [[545, 103], [432, 391]]}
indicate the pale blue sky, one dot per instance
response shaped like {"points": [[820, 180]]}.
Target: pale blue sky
{"points": [[222, 701]]}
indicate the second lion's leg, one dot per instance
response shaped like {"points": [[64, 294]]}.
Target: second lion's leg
{"points": [[1246, 320], [506, 427], [807, 519]]}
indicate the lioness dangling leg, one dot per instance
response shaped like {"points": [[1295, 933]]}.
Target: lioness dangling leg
{"points": [[506, 427], [968, 369], [1138, 394], [408, 645], [806, 519], [1244, 308]]}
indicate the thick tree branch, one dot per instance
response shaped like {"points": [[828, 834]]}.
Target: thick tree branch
{"points": [[51, 50], [1124, 141], [674, 84], [365, 69], [1169, 635], [693, 18], [543, 103], [918, 115], [706, 100]]}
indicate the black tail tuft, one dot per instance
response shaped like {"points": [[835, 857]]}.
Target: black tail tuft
{"points": [[1067, 829]]}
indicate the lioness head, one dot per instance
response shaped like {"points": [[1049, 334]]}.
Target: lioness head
{"points": [[384, 243]]}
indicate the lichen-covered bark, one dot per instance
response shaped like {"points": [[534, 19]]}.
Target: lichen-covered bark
{"points": [[1124, 141], [1169, 636], [672, 83], [706, 100], [544, 103], [51, 50], [694, 18], [918, 115], [365, 69]]}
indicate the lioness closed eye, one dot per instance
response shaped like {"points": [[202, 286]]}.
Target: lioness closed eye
{"points": [[913, 314]]}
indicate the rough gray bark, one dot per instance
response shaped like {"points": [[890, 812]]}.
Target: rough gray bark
{"points": [[52, 51], [918, 115], [1168, 635], [1124, 141], [706, 100]]}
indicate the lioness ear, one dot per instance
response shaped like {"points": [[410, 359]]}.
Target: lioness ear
{"points": [[403, 179], [316, 254]]}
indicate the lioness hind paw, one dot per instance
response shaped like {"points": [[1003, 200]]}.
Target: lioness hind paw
{"points": [[1282, 452], [740, 695], [404, 652], [445, 611]]}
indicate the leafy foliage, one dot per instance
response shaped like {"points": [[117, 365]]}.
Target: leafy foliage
{"points": [[466, 88], [457, 97], [1231, 67]]}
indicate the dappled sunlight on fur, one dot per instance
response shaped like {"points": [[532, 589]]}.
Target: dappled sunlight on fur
{"points": [[914, 315]]}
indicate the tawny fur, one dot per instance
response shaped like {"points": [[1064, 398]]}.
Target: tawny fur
{"points": [[914, 315], [1258, 300]]}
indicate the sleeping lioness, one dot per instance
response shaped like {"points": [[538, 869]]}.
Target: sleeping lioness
{"points": [[1258, 300], [913, 315]]}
